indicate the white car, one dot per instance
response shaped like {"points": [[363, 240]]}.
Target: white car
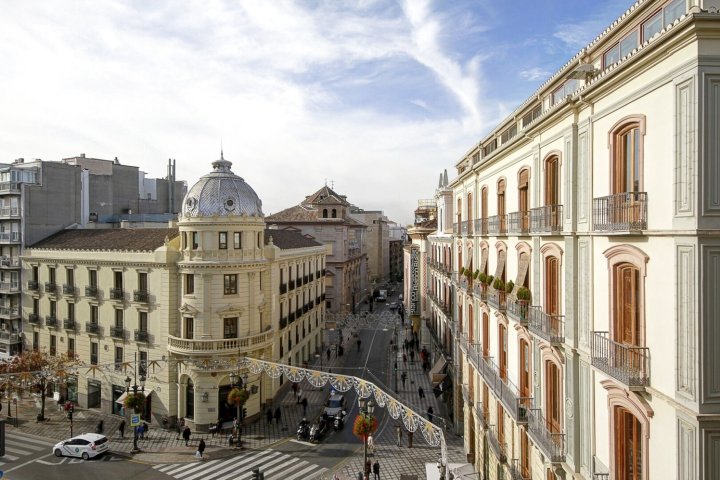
{"points": [[87, 445]]}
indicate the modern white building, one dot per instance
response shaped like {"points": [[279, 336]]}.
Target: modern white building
{"points": [[595, 208]]}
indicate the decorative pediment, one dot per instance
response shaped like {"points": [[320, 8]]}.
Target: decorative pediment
{"points": [[186, 309], [230, 310]]}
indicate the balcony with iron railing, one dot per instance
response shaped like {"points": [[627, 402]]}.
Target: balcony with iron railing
{"points": [[9, 312], [92, 327], [516, 471], [519, 223], [291, 317], [503, 388], [283, 322], [69, 324], [51, 321], [141, 296], [627, 363], [497, 298], [549, 327], [497, 444], [34, 318], [552, 444], [141, 336], [10, 287], [220, 346], [518, 310], [481, 290], [467, 396], [117, 294], [481, 414], [9, 262], [33, 285], [456, 228], [117, 332], [497, 225], [546, 219], [91, 291], [622, 212], [10, 237], [481, 226], [601, 476], [466, 227], [51, 288], [10, 338], [69, 289]]}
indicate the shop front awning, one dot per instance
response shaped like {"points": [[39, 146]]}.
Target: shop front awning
{"points": [[121, 398], [439, 366]]}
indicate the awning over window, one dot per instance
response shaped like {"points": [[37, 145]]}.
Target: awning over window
{"points": [[500, 264], [439, 366], [483, 259], [468, 261], [523, 266], [121, 398]]}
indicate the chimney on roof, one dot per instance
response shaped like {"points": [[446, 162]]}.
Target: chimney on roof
{"points": [[116, 161], [19, 160], [82, 155]]}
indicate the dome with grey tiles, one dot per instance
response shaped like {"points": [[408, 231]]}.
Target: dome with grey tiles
{"points": [[221, 193]]}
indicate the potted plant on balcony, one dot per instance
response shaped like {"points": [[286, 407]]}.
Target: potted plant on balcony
{"points": [[523, 296], [509, 286], [498, 284]]}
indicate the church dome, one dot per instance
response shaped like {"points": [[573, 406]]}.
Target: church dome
{"points": [[221, 193]]}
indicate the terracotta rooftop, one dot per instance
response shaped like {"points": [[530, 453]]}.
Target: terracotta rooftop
{"points": [[287, 239], [123, 239]]}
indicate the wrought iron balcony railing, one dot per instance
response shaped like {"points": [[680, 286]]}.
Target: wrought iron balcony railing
{"points": [[92, 327], [51, 321], [497, 225], [517, 472], [141, 335], [550, 327], [481, 414], [552, 444], [34, 318], [117, 332], [497, 298], [509, 394], [283, 288], [69, 289], [69, 324], [466, 227], [481, 226], [50, 287], [141, 296], [33, 285], [518, 309], [519, 222], [117, 294], [622, 212], [497, 444], [91, 291], [627, 363], [547, 219], [456, 228]]}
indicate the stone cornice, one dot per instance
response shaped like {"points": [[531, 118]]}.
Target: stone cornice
{"points": [[96, 262]]}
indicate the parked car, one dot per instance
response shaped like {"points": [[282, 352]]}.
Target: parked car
{"points": [[86, 446], [334, 405]]}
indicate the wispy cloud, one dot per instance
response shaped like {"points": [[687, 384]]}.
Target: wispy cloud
{"points": [[535, 74]]}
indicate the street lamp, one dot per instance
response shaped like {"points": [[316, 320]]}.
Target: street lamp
{"points": [[135, 389], [367, 407], [240, 382]]}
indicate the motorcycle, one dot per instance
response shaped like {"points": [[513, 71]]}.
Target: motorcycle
{"points": [[303, 431], [317, 431]]}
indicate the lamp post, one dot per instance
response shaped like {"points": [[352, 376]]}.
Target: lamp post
{"points": [[240, 381], [366, 410], [135, 389]]}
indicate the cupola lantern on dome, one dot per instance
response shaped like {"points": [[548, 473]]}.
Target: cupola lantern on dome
{"points": [[221, 193]]}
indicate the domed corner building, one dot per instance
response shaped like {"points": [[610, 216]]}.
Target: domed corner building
{"points": [[244, 291]]}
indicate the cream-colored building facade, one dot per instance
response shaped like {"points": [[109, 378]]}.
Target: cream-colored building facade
{"points": [[188, 300], [598, 195]]}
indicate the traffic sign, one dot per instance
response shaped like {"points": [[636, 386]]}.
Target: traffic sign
{"points": [[134, 420]]}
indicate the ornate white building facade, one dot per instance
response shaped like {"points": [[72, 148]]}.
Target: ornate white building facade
{"points": [[598, 198]]}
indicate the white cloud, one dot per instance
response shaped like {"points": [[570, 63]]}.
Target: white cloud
{"points": [[534, 74]]}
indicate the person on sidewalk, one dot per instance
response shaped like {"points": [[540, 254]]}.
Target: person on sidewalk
{"points": [[145, 427], [121, 428], [368, 468], [398, 431], [299, 396], [186, 435], [359, 342], [376, 470], [180, 424], [277, 416], [412, 356], [403, 377], [201, 447], [268, 416], [370, 445], [328, 354], [405, 359], [421, 392], [304, 404], [430, 413]]}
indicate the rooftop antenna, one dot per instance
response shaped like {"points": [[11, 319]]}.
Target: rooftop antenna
{"points": [[326, 182], [332, 184], [221, 150]]}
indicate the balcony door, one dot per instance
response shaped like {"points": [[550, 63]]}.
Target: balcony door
{"points": [[502, 350], [553, 397], [626, 166], [626, 311], [485, 334], [552, 286], [523, 199], [524, 369], [628, 445], [552, 192], [501, 204]]}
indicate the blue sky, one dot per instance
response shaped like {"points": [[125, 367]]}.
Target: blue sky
{"points": [[377, 97]]}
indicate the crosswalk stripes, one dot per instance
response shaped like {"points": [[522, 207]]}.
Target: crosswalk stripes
{"points": [[275, 465], [17, 445]]}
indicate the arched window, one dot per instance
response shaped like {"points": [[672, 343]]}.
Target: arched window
{"points": [[626, 144], [552, 215], [189, 399], [628, 445], [485, 334], [483, 210], [334, 213], [469, 206], [325, 213], [501, 204], [523, 199], [502, 350], [553, 397]]}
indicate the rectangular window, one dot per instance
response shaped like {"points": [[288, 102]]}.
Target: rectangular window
{"points": [[93, 278], [36, 341], [189, 284], [142, 281], [53, 308], [189, 328], [71, 348], [118, 358], [94, 353], [195, 240], [230, 327], [118, 280], [142, 321], [629, 43], [230, 284], [237, 240], [652, 26], [70, 276], [673, 11], [222, 240], [94, 314], [51, 274], [142, 367], [35, 273], [36, 306], [53, 345], [71, 311], [118, 318]]}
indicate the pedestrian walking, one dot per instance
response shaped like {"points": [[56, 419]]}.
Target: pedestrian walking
{"points": [[412, 356], [341, 350], [295, 389], [405, 359], [410, 435], [403, 377], [368, 468], [277, 416], [376, 470], [186, 435], [304, 404], [430, 413], [268, 416], [421, 392], [201, 448], [370, 445], [145, 427], [417, 343], [327, 354], [359, 342], [121, 428], [299, 393], [398, 431]]}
